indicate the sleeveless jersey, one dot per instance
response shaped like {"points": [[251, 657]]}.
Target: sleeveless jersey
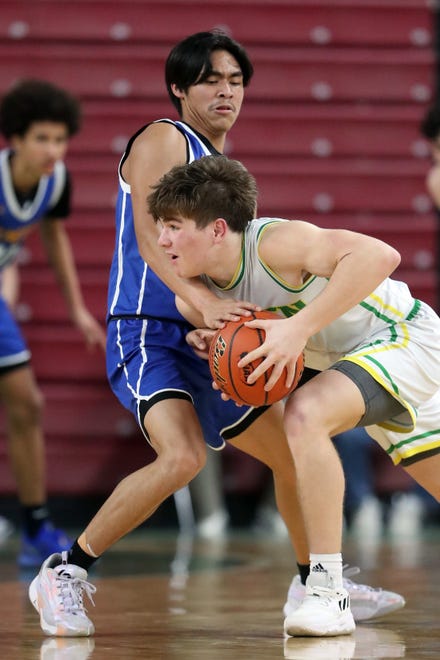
{"points": [[390, 303], [134, 289], [17, 220]]}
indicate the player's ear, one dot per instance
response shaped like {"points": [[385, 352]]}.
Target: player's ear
{"points": [[15, 141], [177, 91], [219, 228]]}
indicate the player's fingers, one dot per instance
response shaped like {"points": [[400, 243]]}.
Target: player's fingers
{"points": [[199, 343], [246, 308], [251, 356], [201, 354], [259, 371], [258, 323], [291, 373], [237, 314], [233, 316], [274, 376]]}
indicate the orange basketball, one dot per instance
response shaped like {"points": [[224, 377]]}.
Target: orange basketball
{"points": [[228, 346]]}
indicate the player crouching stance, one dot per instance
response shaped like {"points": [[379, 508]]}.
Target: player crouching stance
{"points": [[377, 349]]}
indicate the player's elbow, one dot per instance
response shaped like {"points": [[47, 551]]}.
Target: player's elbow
{"points": [[391, 258]]}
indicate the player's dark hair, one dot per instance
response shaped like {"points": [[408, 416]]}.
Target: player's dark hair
{"points": [[189, 62], [208, 188], [430, 124], [34, 100]]}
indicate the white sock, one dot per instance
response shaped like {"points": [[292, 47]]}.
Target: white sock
{"points": [[330, 563]]}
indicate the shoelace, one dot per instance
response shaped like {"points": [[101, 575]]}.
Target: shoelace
{"points": [[70, 591], [348, 571], [325, 595]]}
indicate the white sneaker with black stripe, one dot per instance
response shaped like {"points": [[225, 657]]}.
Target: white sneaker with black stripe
{"points": [[324, 612], [365, 602]]}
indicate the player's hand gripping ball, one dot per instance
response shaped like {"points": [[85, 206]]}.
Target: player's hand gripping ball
{"points": [[232, 343]]}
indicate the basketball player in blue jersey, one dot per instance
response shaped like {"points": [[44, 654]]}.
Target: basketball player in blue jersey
{"points": [[37, 119], [151, 368], [376, 348]]}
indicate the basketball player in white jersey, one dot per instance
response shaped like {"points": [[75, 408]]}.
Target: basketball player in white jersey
{"points": [[377, 349]]}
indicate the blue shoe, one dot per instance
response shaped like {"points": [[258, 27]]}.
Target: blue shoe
{"points": [[47, 542]]}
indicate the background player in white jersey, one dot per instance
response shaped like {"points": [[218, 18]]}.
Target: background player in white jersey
{"points": [[150, 366], [37, 119], [377, 348]]}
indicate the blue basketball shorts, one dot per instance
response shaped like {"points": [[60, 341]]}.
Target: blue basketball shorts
{"points": [[148, 360], [13, 349]]}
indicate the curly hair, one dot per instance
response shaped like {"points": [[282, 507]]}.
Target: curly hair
{"points": [[32, 100]]}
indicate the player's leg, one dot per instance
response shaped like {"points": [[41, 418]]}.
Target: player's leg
{"points": [[417, 451], [265, 440], [333, 401], [427, 473], [175, 434], [22, 403], [328, 404], [147, 378]]}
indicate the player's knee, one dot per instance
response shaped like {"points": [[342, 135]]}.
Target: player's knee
{"points": [[301, 420], [186, 463], [27, 410]]}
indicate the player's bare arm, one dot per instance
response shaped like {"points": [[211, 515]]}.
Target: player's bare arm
{"points": [[355, 265], [200, 338], [10, 284], [60, 256], [154, 153]]}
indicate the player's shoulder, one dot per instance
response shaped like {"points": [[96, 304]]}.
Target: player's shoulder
{"points": [[273, 234], [264, 226], [158, 135], [161, 127]]}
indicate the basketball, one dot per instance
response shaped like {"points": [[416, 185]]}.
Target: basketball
{"points": [[232, 343]]}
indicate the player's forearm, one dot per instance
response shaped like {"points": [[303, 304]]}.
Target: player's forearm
{"points": [[355, 277], [10, 284], [190, 313], [60, 256]]}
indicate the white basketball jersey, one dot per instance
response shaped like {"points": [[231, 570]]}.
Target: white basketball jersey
{"points": [[255, 282]]}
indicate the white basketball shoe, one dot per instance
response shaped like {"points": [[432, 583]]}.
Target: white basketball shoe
{"points": [[365, 602], [57, 595], [324, 611]]}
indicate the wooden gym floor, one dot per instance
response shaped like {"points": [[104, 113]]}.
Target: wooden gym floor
{"points": [[164, 596]]}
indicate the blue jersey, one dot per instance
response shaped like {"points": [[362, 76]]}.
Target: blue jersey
{"points": [[17, 219], [148, 358], [134, 289]]}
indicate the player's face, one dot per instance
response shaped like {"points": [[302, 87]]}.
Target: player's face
{"points": [[212, 106], [186, 246], [38, 150]]}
